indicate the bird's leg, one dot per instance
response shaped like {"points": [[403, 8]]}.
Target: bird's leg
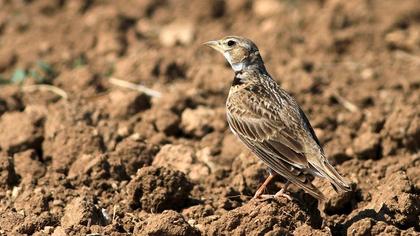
{"points": [[279, 193], [282, 193], [262, 188]]}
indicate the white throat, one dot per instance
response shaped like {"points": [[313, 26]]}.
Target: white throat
{"points": [[235, 66]]}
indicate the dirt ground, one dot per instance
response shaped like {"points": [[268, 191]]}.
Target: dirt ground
{"points": [[95, 158]]}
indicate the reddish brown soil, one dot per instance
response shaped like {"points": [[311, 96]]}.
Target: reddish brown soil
{"points": [[113, 161]]}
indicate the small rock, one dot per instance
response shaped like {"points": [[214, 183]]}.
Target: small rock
{"points": [[200, 121], [45, 48], [367, 73], [307, 230], [48, 230], [146, 28], [59, 231], [249, 179], [8, 177], [78, 79], [367, 145], [10, 99], [9, 220], [181, 158], [217, 72], [82, 211], [337, 148], [198, 211], [207, 157], [166, 121], [231, 147], [155, 189], [369, 226], [177, 157], [168, 223], [406, 39], [129, 156], [83, 166], [67, 143], [161, 120], [303, 83], [145, 130], [109, 44], [7, 58], [198, 172], [123, 104], [277, 217], [20, 131], [338, 203], [238, 5], [32, 201], [28, 166], [177, 33], [266, 8], [395, 39], [36, 222], [413, 172], [383, 228], [401, 128], [77, 6], [396, 201], [374, 121], [361, 227], [174, 100]]}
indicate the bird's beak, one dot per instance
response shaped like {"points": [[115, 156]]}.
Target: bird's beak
{"points": [[215, 44]]}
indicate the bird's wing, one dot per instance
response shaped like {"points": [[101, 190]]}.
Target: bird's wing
{"points": [[262, 123]]}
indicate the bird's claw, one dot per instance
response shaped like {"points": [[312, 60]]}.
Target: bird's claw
{"points": [[279, 194], [282, 194]]}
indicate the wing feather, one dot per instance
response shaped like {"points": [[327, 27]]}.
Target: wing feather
{"points": [[294, 175], [272, 137]]}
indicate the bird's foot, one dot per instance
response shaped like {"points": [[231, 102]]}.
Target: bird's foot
{"points": [[262, 188], [279, 194], [258, 194], [263, 197]]}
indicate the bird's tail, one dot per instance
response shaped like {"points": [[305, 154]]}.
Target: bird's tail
{"points": [[311, 189], [304, 180], [327, 171]]}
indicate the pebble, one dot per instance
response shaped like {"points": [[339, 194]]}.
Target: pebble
{"points": [[177, 33]]}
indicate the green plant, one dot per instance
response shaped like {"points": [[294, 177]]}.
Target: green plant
{"points": [[18, 76], [79, 62], [43, 73]]}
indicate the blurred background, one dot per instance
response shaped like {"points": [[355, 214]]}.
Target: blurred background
{"points": [[112, 115]]}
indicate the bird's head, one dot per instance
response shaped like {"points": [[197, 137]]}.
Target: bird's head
{"points": [[240, 52]]}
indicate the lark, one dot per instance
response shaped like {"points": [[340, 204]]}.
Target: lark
{"points": [[271, 124]]}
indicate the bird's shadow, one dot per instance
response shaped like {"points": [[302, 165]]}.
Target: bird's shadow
{"points": [[367, 213], [341, 229]]}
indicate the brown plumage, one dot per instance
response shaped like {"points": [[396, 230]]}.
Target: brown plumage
{"points": [[270, 122]]}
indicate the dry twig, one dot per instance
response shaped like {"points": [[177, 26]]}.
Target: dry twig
{"points": [[45, 87], [346, 104], [137, 87]]}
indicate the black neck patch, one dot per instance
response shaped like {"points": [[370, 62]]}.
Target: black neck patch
{"points": [[237, 80]]}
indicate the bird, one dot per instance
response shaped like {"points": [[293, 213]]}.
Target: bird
{"points": [[271, 124]]}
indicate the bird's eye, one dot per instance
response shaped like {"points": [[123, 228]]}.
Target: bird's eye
{"points": [[230, 43]]}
